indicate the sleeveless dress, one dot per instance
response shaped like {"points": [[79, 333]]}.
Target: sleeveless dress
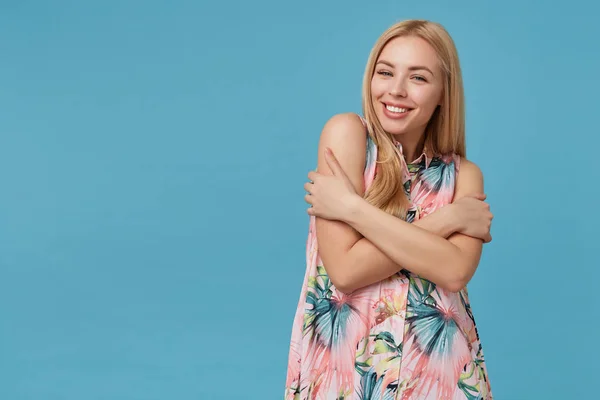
{"points": [[399, 339]]}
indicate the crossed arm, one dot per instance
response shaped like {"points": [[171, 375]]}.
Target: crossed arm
{"points": [[368, 245]]}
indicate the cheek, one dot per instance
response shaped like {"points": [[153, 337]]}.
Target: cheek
{"points": [[426, 98], [377, 88]]}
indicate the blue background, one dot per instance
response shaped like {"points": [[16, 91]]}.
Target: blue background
{"points": [[152, 157]]}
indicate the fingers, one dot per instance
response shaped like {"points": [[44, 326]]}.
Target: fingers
{"points": [[308, 187], [481, 197], [333, 163], [312, 176], [485, 236], [309, 199], [478, 196]]}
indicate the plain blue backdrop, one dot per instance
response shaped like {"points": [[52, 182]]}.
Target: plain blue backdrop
{"points": [[152, 157]]}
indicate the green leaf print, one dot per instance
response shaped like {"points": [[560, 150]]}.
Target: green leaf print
{"points": [[471, 392], [361, 350], [387, 336], [420, 293], [430, 301], [413, 168], [308, 321], [311, 298], [324, 277], [385, 343], [407, 188], [371, 388], [473, 372], [382, 347], [428, 287], [362, 366]]}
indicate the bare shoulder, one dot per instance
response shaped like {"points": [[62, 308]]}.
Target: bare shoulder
{"points": [[344, 126], [469, 179], [346, 136], [346, 119], [469, 170]]}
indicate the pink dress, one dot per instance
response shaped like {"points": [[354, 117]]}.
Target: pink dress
{"points": [[401, 338]]}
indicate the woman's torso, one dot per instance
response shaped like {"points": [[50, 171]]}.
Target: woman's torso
{"points": [[402, 337]]}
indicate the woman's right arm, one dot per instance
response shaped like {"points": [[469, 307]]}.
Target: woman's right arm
{"points": [[340, 246]]}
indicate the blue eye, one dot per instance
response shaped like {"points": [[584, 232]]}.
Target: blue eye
{"points": [[385, 73], [420, 78]]}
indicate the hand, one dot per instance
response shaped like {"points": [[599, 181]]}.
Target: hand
{"points": [[474, 216], [330, 196]]}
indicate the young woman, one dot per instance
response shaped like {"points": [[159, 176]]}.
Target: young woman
{"points": [[396, 232]]}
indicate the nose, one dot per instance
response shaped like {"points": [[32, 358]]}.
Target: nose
{"points": [[398, 88]]}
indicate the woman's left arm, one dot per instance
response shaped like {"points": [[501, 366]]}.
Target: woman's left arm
{"points": [[450, 263]]}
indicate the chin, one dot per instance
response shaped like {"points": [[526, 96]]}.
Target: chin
{"points": [[393, 127]]}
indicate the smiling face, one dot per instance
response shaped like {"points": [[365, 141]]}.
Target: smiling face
{"points": [[406, 87]]}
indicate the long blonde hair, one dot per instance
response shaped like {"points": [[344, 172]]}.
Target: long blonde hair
{"points": [[445, 131]]}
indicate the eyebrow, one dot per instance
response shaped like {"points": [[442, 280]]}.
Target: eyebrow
{"points": [[413, 68]]}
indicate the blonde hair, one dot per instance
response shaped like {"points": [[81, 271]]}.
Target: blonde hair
{"points": [[445, 131]]}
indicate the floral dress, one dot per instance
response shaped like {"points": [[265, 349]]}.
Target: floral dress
{"points": [[401, 338]]}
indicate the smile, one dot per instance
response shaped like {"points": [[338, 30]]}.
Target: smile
{"points": [[396, 109], [395, 112]]}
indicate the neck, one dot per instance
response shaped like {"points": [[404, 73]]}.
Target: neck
{"points": [[412, 144]]}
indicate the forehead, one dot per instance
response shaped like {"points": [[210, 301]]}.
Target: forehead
{"points": [[405, 51]]}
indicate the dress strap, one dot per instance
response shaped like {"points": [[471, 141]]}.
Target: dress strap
{"points": [[371, 156], [364, 122]]}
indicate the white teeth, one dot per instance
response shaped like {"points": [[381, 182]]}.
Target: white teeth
{"points": [[396, 109]]}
